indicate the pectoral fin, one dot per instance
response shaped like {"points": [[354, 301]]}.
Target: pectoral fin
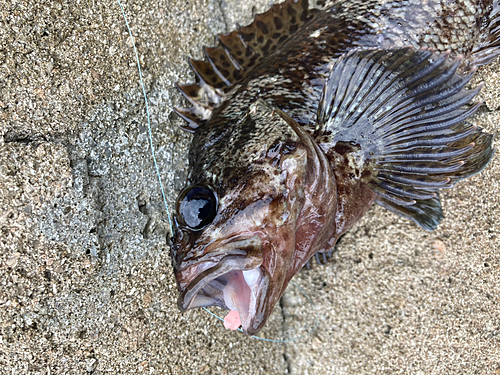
{"points": [[405, 110]]}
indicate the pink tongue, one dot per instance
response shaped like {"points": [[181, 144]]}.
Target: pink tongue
{"points": [[232, 320]]}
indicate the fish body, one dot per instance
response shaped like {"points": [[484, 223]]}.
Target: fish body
{"points": [[305, 118]]}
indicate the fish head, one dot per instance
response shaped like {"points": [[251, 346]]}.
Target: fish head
{"points": [[247, 221]]}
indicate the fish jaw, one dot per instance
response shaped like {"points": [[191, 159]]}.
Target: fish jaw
{"points": [[239, 281]]}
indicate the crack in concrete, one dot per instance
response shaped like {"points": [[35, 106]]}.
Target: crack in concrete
{"points": [[23, 138]]}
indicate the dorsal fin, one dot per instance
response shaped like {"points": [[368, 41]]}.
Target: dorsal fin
{"points": [[403, 113], [238, 52]]}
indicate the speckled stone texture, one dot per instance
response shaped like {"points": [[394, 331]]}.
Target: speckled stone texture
{"points": [[85, 279]]}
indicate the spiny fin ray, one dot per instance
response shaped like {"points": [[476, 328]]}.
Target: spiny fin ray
{"points": [[238, 52]]}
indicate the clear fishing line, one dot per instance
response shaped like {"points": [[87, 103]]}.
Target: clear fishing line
{"points": [[149, 119], [316, 320]]}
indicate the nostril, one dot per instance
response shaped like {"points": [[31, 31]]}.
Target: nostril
{"points": [[176, 256]]}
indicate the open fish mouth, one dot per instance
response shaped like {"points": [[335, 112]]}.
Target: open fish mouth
{"points": [[236, 282]]}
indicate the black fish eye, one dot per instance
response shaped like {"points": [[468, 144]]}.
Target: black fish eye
{"points": [[197, 206]]}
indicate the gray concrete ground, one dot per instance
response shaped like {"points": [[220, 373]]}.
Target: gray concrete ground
{"points": [[85, 277]]}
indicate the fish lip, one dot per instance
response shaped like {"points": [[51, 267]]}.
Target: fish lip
{"points": [[241, 245], [252, 306], [226, 265], [229, 257]]}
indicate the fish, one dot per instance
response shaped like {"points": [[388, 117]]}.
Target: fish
{"points": [[304, 119]]}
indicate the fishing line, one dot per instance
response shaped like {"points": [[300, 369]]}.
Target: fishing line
{"points": [[149, 119], [150, 132]]}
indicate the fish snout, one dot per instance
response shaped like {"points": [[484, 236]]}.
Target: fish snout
{"points": [[231, 276]]}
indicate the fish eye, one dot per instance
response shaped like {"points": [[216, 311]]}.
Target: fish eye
{"points": [[197, 206]]}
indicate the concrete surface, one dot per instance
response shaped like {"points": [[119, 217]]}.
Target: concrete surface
{"points": [[85, 278]]}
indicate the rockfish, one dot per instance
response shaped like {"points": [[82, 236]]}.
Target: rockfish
{"points": [[309, 115]]}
